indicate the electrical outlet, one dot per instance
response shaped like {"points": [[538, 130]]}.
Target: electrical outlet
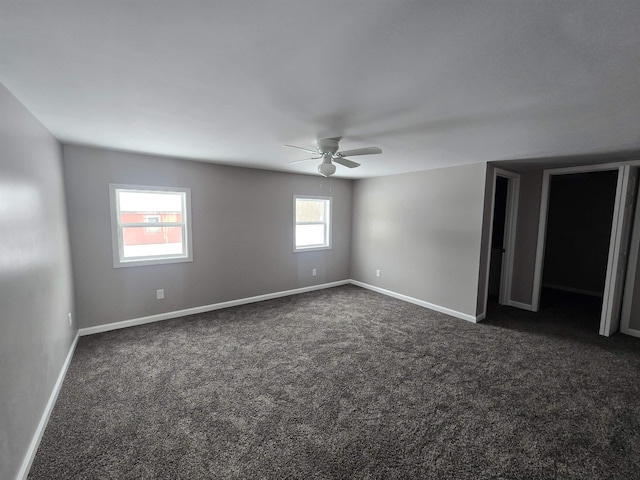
{"points": [[313, 272], [70, 320], [377, 273], [160, 293]]}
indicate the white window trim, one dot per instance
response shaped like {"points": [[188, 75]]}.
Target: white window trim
{"points": [[116, 230], [328, 222]]}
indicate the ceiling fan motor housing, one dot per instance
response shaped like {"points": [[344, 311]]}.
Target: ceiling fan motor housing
{"points": [[328, 145]]}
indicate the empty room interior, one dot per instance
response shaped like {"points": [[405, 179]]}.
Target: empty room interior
{"points": [[319, 239]]}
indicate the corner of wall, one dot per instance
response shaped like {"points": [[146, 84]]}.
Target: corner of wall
{"points": [[37, 333], [485, 243]]}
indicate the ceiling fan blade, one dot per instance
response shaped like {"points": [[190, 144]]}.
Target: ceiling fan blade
{"points": [[303, 160], [315, 152], [346, 162], [360, 151]]}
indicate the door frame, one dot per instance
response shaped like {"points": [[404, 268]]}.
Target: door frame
{"points": [[616, 232], [634, 254], [612, 302], [510, 224]]}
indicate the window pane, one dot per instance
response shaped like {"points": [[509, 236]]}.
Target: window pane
{"points": [[310, 210], [148, 216], [150, 225], [308, 235], [149, 202], [152, 242]]}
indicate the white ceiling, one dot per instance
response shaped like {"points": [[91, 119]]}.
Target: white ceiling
{"points": [[433, 83]]}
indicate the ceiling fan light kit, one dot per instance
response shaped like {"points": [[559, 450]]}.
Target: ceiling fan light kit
{"points": [[327, 149], [326, 168]]}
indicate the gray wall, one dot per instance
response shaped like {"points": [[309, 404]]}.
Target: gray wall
{"points": [[423, 231], [242, 235], [524, 257], [35, 277]]}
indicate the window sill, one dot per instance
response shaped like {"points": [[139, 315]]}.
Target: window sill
{"points": [[151, 261], [311, 249]]}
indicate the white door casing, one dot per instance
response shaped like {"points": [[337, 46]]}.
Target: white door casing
{"points": [[618, 250], [510, 224], [632, 266], [513, 195]]}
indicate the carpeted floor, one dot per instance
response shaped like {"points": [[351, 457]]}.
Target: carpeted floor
{"points": [[347, 383]]}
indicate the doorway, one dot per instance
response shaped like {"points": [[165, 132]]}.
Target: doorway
{"points": [[497, 237], [617, 252], [579, 221], [504, 213]]}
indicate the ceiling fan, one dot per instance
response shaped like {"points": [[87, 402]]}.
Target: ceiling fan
{"points": [[327, 149]]}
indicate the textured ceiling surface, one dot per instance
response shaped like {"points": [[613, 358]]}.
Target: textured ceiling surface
{"points": [[432, 83]]}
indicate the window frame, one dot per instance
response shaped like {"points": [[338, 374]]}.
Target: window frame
{"points": [[328, 223], [117, 226]]}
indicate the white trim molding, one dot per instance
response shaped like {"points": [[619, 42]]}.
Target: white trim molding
{"points": [[417, 301], [205, 308], [522, 306], [544, 210], [117, 226], [610, 317], [612, 287], [269, 296], [541, 241], [327, 223], [37, 436], [632, 266], [630, 331], [510, 226]]}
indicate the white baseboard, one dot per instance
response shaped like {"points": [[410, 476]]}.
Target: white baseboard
{"points": [[269, 296], [573, 290], [417, 301], [630, 331], [523, 306], [37, 436], [206, 308]]}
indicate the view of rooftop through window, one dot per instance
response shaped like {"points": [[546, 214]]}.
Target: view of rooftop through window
{"points": [[151, 224], [163, 211]]}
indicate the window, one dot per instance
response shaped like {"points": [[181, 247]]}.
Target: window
{"points": [[135, 242], [312, 218]]}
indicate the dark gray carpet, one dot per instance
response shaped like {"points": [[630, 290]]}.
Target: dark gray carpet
{"points": [[346, 383]]}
